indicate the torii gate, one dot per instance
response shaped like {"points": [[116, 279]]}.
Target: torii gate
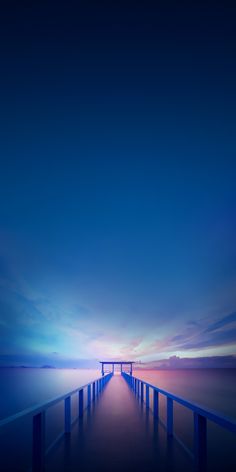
{"points": [[121, 363]]}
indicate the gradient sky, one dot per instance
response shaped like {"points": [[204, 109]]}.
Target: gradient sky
{"points": [[117, 182]]}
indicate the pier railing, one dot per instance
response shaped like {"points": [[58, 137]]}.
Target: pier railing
{"points": [[200, 417], [38, 413]]}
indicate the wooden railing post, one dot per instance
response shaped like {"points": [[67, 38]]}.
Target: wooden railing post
{"points": [[94, 391], [67, 415], [169, 416], [38, 442], [200, 442], [155, 404], [81, 402]]}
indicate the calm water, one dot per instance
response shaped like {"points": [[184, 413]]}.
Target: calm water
{"points": [[213, 388], [22, 388]]}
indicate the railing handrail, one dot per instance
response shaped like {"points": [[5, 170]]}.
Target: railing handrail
{"points": [[211, 415], [45, 405]]}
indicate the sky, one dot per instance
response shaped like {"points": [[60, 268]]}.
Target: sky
{"points": [[117, 182]]}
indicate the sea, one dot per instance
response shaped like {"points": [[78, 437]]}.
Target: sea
{"points": [[214, 389], [24, 387]]}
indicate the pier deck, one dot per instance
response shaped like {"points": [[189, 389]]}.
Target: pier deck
{"points": [[117, 433]]}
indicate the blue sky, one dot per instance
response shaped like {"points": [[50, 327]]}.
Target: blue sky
{"points": [[117, 234]]}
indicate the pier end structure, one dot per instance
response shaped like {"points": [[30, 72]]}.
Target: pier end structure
{"points": [[113, 363]]}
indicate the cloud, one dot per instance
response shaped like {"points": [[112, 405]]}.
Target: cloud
{"points": [[196, 337], [175, 362], [207, 334], [34, 322], [222, 322]]}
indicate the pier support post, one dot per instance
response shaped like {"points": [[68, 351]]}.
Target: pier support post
{"points": [[38, 442], [147, 397], [155, 404], [169, 416], [141, 391], [67, 415], [200, 442], [89, 395], [81, 403]]}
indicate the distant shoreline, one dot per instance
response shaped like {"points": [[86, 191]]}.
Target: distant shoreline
{"points": [[138, 368]]}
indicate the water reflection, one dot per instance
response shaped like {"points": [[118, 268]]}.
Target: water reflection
{"points": [[116, 430]]}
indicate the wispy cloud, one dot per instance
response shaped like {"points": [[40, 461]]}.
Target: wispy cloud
{"points": [[175, 362], [216, 333], [37, 324], [201, 335]]}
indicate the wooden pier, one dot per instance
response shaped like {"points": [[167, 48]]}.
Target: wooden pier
{"points": [[117, 427], [121, 364], [118, 434]]}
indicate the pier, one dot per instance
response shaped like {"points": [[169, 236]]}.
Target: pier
{"points": [[118, 363], [116, 427]]}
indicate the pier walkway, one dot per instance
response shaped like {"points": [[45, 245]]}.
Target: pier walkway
{"points": [[115, 424], [117, 433]]}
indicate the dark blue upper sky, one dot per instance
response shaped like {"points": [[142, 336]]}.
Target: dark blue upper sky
{"points": [[117, 180]]}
